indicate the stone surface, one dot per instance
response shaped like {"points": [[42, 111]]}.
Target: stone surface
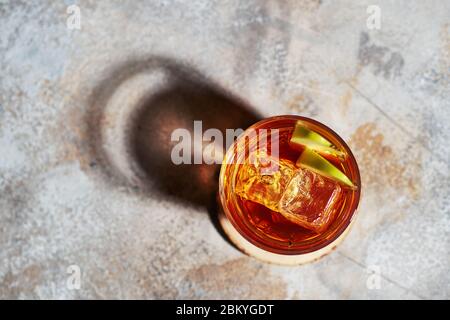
{"points": [[86, 117]]}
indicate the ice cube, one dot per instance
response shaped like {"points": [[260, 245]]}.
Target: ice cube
{"points": [[309, 200], [264, 178], [300, 195]]}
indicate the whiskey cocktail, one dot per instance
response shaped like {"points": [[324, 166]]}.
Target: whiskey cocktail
{"points": [[289, 186]]}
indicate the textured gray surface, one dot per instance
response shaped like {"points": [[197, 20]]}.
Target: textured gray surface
{"points": [[85, 117]]}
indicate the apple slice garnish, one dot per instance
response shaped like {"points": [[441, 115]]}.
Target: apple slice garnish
{"points": [[313, 161], [303, 136]]}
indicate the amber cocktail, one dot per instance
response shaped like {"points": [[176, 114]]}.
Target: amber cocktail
{"points": [[289, 185]]}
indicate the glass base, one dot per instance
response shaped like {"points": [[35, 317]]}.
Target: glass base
{"points": [[250, 249]]}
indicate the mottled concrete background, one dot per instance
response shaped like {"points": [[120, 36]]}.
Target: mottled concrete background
{"points": [[85, 122]]}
